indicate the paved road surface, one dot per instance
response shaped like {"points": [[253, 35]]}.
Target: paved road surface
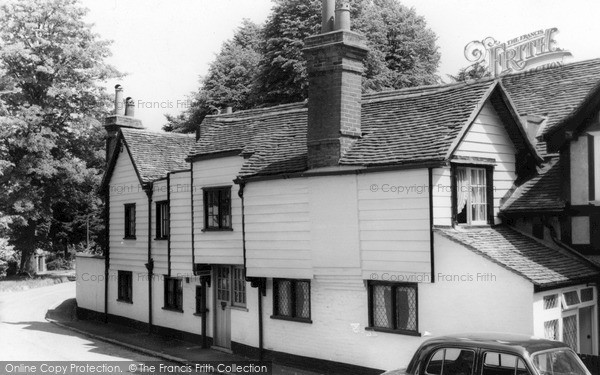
{"points": [[25, 335]]}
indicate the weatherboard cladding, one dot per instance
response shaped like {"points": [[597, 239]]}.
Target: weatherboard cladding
{"points": [[527, 257], [156, 154]]}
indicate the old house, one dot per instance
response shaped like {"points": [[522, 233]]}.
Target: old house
{"points": [[341, 231]]}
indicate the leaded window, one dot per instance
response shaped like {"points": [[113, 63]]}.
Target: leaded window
{"points": [[130, 221], [393, 307], [291, 299], [162, 220]]}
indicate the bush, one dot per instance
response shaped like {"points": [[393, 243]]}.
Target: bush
{"points": [[9, 259], [59, 264]]}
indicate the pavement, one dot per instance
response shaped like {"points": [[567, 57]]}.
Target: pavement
{"points": [[168, 349]]}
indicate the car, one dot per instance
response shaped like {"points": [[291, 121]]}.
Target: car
{"points": [[493, 354]]}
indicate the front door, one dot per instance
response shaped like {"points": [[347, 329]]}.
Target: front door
{"points": [[222, 307], [586, 316]]}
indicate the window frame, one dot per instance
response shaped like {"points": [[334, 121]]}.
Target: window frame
{"points": [[130, 221], [238, 287], [444, 348], [489, 192], [163, 220], [371, 326], [220, 216], [177, 305], [292, 299], [127, 277]]}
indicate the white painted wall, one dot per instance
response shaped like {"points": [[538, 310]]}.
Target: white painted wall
{"points": [[124, 188], [138, 309], [580, 230], [579, 171], [487, 138], [181, 223], [220, 247], [442, 196], [159, 247], [339, 312], [90, 282]]}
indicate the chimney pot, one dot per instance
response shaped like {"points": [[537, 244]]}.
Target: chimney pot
{"points": [[342, 17], [328, 15], [129, 107], [228, 110], [119, 104]]}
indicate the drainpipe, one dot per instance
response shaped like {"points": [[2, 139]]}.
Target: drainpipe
{"points": [[150, 264], [169, 221], [106, 251]]}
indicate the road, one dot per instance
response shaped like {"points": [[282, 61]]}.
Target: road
{"points": [[25, 335]]}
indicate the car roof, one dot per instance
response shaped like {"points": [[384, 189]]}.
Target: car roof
{"points": [[516, 343]]}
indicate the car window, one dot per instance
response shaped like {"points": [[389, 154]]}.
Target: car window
{"points": [[503, 364], [451, 361]]}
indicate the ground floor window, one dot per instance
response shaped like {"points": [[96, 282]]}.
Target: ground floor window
{"points": [[173, 294], [124, 285], [291, 299], [393, 307], [569, 315]]}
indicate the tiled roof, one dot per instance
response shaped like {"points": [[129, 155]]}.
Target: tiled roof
{"points": [[405, 126], [554, 92], [541, 193], [540, 264], [156, 154]]}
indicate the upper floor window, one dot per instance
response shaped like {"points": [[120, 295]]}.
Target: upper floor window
{"points": [[162, 220], [472, 195], [130, 220], [217, 208]]}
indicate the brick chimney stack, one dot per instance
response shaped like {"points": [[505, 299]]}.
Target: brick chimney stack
{"points": [[122, 117], [335, 65]]}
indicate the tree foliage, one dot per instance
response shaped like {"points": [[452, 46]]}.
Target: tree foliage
{"points": [[403, 53], [471, 72], [51, 156]]}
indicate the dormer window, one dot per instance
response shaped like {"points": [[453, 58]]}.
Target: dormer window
{"points": [[472, 195]]}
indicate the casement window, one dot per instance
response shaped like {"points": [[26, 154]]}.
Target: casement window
{"points": [[569, 315], [451, 361], [239, 287], [130, 221], [393, 307], [162, 220], [473, 195], [173, 294], [217, 208], [125, 293], [291, 300]]}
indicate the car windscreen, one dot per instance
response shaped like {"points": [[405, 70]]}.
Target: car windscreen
{"points": [[558, 362]]}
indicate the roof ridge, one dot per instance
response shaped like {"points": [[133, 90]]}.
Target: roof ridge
{"points": [[414, 92], [279, 107], [572, 64], [157, 133]]}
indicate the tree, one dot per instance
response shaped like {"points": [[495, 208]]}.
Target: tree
{"points": [[230, 80], [51, 148], [403, 53], [471, 72]]}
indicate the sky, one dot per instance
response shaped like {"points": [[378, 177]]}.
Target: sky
{"points": [[164, 47]]}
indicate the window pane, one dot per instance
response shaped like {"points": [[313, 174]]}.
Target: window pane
{"points": [[551, 329], [570, 331], [458, 362], [382, 306], [587, 294], [302, 299], [550, 302], [239, 287], [284, 298], [223, 284], [571, 298], [434, 367], [406, 308]]}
